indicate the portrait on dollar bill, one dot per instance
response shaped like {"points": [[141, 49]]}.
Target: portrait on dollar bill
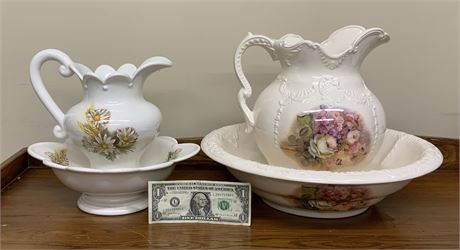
{"points": [[200, 205]]}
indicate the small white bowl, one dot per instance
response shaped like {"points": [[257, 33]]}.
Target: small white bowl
{"points": [[323, 194], [114, 191]]}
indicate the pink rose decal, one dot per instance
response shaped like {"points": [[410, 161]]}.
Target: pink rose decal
{"points": [[335, 197], [328, 137]]}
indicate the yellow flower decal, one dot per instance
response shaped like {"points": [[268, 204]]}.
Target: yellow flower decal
{"points": [[174, 154], [59, 156], [100, 140], [97, 117], [126, 137]]}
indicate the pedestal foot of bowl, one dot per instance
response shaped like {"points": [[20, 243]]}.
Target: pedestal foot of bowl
{"points": [[113, 204], [313, 213]]}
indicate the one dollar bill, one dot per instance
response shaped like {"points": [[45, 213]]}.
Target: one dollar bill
{"points": [[199, 202]]}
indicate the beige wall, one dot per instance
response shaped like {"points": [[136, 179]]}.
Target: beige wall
{"points": [[415, 75]]}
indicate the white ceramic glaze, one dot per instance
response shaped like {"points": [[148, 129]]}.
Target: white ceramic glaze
{"points": [[113, 191], [318, 112], [113, 123], [323, 194]]}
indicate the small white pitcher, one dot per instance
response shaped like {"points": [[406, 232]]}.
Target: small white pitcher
{"points": [[113, 123]]}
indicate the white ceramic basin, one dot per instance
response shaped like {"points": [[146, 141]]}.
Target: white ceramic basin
{"points": [[114, 191], [323, 194]]}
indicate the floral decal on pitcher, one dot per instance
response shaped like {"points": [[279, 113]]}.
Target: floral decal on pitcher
{"points": [[335, 197], [327, 138], [100, 140]]}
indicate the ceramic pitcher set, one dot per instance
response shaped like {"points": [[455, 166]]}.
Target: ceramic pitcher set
{"points": [[317, 113]]}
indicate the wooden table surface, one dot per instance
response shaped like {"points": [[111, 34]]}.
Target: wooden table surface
{"points": [[37, 211]]}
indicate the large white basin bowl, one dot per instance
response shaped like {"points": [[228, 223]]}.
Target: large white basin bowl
{"points": [[323, 194]]}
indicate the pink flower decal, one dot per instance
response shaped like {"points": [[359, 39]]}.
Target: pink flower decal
{"points": [[327, 138], [335, 197], [352, 137]]}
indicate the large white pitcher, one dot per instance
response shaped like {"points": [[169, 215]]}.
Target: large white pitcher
{"points": [[318, 113]]}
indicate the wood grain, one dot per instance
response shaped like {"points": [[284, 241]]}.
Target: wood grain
{"points": [[13, 167], [39, 212]]}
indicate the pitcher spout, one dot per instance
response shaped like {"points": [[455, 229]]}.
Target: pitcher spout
{"points": [[352, 40], [367, 41], [151, 65]]}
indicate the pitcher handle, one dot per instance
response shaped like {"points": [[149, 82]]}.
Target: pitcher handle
{"points": [[246, 90], [66, 69]]}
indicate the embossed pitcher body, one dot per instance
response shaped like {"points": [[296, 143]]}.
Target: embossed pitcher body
{"points": [[318, 112], [113, 124]]}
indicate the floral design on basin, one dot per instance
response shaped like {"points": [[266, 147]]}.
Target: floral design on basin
{"points": [[172, 155], [59, 156], [335, 197], [328, 138], [100, 140]]}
